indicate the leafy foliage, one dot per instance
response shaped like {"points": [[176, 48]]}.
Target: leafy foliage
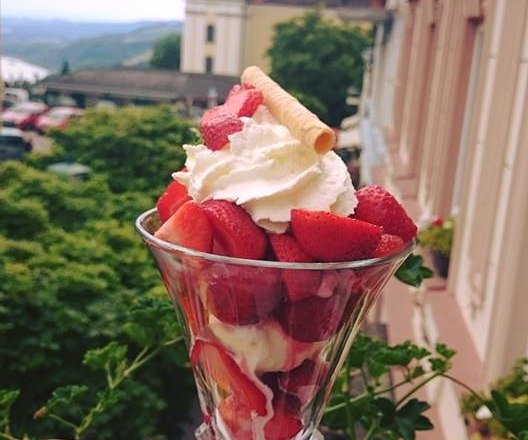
{"points": [[507, 401], [376, 410], [134, 147], [74, 276], [412, 271], [317, 58], [167, 52], [438, 236]]}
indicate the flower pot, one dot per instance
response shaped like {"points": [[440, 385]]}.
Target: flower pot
{"points": [[441, 264]]}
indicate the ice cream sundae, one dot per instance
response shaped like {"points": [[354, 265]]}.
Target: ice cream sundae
{"points": [[273, 259]]}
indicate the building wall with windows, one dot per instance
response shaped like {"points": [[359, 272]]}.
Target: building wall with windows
{"points": [[225, 36], [213, 36], [449, 95]]}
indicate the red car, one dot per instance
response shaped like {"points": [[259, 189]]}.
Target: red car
{"points": [[57, 117], [24, 115]]}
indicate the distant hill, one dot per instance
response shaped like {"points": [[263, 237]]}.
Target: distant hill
{"points": [[49, 42]]}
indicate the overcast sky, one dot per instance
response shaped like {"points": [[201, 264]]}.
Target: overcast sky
{"points": [[100, 10]]}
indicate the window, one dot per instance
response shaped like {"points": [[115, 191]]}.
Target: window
{"points": [[209, 65], [210, 33]]}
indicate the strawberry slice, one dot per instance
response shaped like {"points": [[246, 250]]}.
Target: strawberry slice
{"points": [[215, 364], [217, 124], [188, 227], [175, 195], [237, 418], [234, 230], [389, 244], [312, 319], [241, 295], [243, 100], [376, 205], [299, 283], [329, 237], [286, 422], [302, 380]]}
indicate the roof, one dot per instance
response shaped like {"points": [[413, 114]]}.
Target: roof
{"points": [[160, 85], [327, 3]]}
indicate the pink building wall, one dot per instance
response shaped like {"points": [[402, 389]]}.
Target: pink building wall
{"points": [[456, 142]]}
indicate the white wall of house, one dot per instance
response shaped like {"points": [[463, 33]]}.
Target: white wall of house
{"points": [[227, 18]]}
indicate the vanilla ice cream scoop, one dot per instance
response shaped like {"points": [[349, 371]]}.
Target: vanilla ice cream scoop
{"points": [[262, 347]]}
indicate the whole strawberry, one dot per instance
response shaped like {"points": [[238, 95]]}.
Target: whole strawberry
{"points": [[217, 124], [376, 205]]}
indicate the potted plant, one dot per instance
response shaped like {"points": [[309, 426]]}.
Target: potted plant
{"points": [[437, 237]]}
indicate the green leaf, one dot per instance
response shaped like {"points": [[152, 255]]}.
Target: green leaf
{"points": [[376, 368], [513, 416], [111, 358], [412, 271], [387, 409], [409, 419], [152, 321], [7, 398], [444, 351], [63, 397], [439, 365]]}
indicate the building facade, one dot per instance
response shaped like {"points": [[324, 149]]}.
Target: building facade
{"points": [[213, 36], [445, 117], [225, 36]]}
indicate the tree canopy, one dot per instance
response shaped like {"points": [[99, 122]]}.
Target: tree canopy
{"points": [[318, 60], [134, 147], [72, 267], [167, 52]]}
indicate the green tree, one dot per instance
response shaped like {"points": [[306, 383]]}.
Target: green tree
{"points": [[315, 57], [137, 148], [167, 52], [72, 268], [65, 69]]}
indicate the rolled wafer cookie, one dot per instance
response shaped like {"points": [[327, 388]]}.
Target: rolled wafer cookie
{"points": [[302, 123]]}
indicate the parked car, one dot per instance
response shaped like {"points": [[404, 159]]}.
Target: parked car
{"points": [[12, 96], [24, 115], [12, 144], [57, 117]]}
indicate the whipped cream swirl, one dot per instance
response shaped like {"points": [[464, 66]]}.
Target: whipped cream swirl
{"points": [[268, 172]]}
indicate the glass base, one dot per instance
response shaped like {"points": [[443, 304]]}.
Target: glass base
{"points": [[203, 432]]}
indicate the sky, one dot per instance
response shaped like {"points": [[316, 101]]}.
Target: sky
{"points": [[95, 10]]}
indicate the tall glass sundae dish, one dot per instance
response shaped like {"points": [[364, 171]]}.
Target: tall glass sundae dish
{"points": [[273, 260]]}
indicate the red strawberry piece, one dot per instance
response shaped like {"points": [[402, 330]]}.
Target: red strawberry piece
{"points": [[285, 423], [188, 227], [241, 294], [312, 319], [329, 237], [217, 124], [237, 418], [389, 244], [244, 100], [437, 222], [299, 283], [302, 381], [168, 203], [234, 230], [215, 364], [376, 205]]}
